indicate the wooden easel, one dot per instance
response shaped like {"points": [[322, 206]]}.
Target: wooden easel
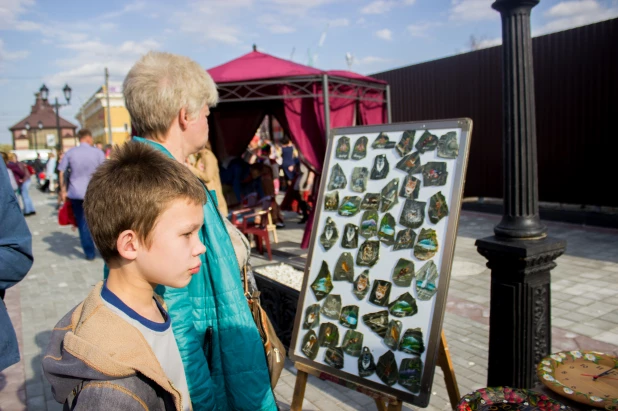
{"points": [[384, 402]]}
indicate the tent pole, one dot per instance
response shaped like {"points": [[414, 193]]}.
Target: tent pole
{"points": [[389, 115], [326, 105]]}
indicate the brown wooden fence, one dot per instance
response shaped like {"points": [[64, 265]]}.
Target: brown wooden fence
{"points": [[576, 82]]}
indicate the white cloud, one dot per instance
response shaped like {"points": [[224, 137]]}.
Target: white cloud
{"points": [[384, 34], [213, 21], [472, 10], [87, 65], [572, 13], [368, 60], [361, 21], [274, 25], [6, 55], [296, 7], [384, 6], [342, 22], [378, 7], [10, 10], [216, 7], [52, 30], [421, 29], [138, 5], [108, 26], [569, 8]]}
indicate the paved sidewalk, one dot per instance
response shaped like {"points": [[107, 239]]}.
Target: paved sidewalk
{"points": [[584, 307]]}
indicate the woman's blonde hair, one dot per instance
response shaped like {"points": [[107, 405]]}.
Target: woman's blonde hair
{"points": [[159, 85]]}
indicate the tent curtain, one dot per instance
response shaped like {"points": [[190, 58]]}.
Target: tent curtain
{"points": [[235, 128], [303, 125], [373, 112], [341, 109], [306, 125]]}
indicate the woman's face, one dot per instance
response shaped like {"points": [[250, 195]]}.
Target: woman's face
{"points": [[197, 132]]}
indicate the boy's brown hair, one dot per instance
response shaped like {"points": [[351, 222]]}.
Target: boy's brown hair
{"points": [[130, 190]]}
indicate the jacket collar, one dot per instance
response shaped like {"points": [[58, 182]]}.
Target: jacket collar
{"points": [[154, 144], [112, 346]]}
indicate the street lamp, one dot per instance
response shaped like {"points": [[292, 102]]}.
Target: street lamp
{"points": [[67, 95], [27, 127], [36, 137]]}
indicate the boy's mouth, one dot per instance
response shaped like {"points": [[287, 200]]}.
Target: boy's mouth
{"points": [[195, 269]]}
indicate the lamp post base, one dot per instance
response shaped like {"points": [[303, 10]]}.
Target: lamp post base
{"points": [[520, 308]]}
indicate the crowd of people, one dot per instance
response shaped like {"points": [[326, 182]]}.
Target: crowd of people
{"points": [[265, 170], [192, 344]]}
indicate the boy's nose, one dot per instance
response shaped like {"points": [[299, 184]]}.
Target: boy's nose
{"points": [[201, 249]]}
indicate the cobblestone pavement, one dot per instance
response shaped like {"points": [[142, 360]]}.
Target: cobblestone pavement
{"points": [[584, 307]]}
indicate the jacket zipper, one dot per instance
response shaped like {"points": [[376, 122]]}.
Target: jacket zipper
{"points": [[208, 346]]}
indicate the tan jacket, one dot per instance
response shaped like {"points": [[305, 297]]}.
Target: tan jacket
{"points": [[207, 169], [103, 362]]}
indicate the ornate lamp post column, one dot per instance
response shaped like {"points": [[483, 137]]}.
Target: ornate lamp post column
{"points": [[67, 95], [27, 127], [520, 254]]}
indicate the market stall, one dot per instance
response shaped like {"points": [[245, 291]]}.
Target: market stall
{"points": [[306, 101]]}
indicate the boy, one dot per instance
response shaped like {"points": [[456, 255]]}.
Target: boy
{"points": [[116, 350]]}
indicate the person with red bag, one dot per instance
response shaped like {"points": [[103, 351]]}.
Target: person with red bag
{"points": [[65, 214]]}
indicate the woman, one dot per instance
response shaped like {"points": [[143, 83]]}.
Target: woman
{"points": [[22, 175], [206, 168], [288, 162], [50, 174], [168, 97], [12, 181]]}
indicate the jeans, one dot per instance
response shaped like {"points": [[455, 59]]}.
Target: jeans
{"points": [[25, 196], [84, 232]]}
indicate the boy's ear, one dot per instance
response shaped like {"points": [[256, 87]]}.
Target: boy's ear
{"points": [[128, 244]]}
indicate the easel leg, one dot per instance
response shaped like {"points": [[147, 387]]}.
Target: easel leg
{"points": [[299, 391], [444, 361], [394, 406]]}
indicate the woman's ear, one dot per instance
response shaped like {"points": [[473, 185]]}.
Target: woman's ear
{"points": [[183, 119], [128, 245]]}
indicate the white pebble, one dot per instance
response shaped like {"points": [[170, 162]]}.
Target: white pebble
{"points": [[284, 274]]}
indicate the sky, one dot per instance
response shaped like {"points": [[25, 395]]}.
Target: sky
{"points": [[55, 42]]}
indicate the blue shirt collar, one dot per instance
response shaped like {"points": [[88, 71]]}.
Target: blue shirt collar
{"points": [[113, 299]]}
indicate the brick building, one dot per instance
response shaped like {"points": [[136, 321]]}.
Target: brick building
{"points": [[32, 138]]}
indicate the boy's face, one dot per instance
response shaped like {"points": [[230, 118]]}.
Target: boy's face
{"points": [[174, 254]]}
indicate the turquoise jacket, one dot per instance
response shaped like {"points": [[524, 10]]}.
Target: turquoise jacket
{"points": [[237, 378]]}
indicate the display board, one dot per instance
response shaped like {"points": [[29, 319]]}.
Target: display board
{"points": [[375, 285]]}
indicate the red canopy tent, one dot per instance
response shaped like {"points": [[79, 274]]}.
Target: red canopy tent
{"points": [[306, 101]]}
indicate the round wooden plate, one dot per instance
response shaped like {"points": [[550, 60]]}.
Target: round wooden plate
{"points": [[508, 399], [588, 377]]}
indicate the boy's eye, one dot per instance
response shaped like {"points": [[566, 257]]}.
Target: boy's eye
{"points": [[187, 235]]}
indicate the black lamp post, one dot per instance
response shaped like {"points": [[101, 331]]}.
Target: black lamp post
{"points": [[36, 137], [67, 95], [520, 254], [27, 127]]}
